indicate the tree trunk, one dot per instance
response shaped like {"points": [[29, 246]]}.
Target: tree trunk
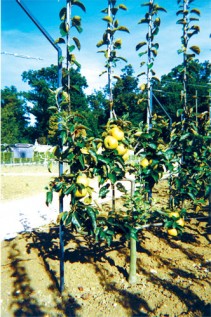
{"points": [[132, 272]]}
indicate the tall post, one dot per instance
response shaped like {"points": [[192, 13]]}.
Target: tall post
{"points": [[185, 43], [149, 82], [59, 84], [209, 221], [109, 63], [68, 14], [149, 61]]}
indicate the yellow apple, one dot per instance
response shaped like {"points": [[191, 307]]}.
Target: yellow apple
{"points": [[172, 232], [144, 162], [126, 155], [138, 133], [174, 214], [84, 150], [83, 179], [80, 193], [121, 149], [110, 142], [117, 133], [181, 222]]}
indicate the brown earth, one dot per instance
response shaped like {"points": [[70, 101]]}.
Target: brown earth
{"points": [[173, 278]]}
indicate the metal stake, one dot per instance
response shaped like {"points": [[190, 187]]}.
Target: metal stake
{"points": [[59, 83]]}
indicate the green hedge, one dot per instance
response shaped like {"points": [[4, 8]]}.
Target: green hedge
{"points": [[38, 158]]}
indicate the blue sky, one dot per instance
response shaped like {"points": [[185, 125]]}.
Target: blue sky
{"points": [[19, 35]]}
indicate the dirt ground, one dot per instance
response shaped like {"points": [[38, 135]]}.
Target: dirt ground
{"points": [[23, 181], [173, 278]]}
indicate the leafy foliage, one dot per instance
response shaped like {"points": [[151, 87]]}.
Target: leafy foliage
{"points": [[191, 144], [14, 117], [43, 83]]}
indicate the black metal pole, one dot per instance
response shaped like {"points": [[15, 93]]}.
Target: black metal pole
{"points": [[59, 83]]}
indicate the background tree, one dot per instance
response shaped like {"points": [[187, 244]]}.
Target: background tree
{"points": [[43, 82], [126, 95], [170, 89], [14, 117], [98, 111]]}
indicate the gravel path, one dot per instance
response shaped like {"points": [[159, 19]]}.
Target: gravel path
{"points": [[26, 214]]}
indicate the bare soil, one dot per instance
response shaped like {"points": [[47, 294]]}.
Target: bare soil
{"points": [[23, 181], [173, 278]]}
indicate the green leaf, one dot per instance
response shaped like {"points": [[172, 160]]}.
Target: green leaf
{"points": [[158, 8], [77, 63], [78, 28], [60, 40], [100, 43], [123, 7], [180, 112], [118, 43], [157, 22], [104, 191], [154, 52], [141, 74], [181, 21], [94, 155], [63, 216], [63, 30], [195, 49], [156, 46], [121, 188], [78, 4], [53, 108], [75, 221], [141, 54], [122, 58], [196, 11], [114, 11], [69, 189], [156, 78], [112, 178], [70, 156], [123, 28], [105, 10], [71, 48], [155, 31], [146, 4], [143, 21], [92, 216], [108, 19], [184, 136], [150, 65], [139, 45], [77, 43], [49, 198], [81, 160], [153, 146], [63, 14], [76, 19], [103, 159], [169, 154], [63, 135]]}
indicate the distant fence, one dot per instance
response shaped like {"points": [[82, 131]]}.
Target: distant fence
{"points": [[37, 158], [21, 153]]}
